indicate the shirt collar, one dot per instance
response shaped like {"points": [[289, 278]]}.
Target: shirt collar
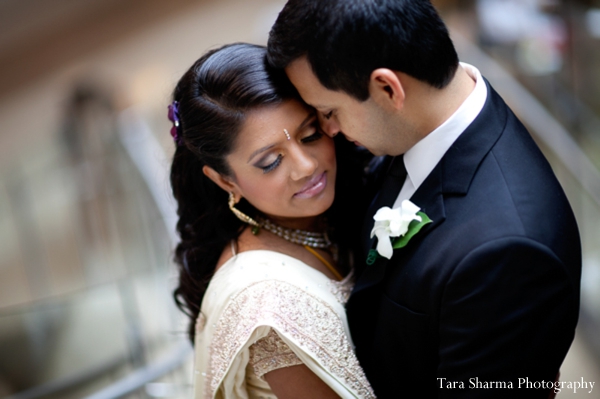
{"points": [[425, 155]]}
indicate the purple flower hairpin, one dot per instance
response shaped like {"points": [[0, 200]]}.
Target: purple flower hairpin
{"points": [[174, 117]]}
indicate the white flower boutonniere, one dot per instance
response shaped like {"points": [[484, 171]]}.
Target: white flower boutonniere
{"points": [[395, 227]]}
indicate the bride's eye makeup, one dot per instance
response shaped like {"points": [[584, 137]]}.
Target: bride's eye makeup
{"points": [[316, 134], [268, 168], [313, 137]]}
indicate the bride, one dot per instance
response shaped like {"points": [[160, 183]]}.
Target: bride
{"points": [[264, 272]]}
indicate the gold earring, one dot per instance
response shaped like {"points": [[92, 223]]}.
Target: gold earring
{"points": [[239, 214]]}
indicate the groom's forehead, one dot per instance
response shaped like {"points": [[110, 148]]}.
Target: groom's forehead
{"points": [[302, 68], [304, 78]]}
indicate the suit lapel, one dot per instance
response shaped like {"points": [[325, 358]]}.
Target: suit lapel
{"points": [[374, 186], [431, 201], [451, 176]]}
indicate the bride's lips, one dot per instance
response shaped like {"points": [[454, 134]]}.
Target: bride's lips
{"points": [[313, 187]]}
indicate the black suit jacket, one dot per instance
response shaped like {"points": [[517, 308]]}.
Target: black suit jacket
{"points": [[487, 296]]}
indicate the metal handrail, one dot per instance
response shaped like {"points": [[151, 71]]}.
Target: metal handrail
{"points": [[134, 381], [62, 384], [148, 155]]}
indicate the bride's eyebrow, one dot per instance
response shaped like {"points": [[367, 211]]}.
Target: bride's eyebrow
{"points": [[307, 120]]}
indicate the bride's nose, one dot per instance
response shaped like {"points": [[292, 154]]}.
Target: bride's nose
{"points": [[304, 164]]}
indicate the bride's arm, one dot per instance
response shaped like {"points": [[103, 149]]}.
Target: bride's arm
{"points": [[289, 378], [298, 382], [296, 342]]}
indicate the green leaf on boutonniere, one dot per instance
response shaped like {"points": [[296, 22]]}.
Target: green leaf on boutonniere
{"points": [[413, 228], [372, 257]]}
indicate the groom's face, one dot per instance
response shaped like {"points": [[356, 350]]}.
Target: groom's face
{"points": [[363, 123]]}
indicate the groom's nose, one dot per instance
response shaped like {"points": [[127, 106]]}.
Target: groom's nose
{"points": [[329, 126]]}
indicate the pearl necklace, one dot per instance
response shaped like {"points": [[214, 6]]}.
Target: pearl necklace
{"points": [[296, 236]]}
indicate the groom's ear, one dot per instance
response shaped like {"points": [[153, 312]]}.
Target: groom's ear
{"points": [[385, 87]]}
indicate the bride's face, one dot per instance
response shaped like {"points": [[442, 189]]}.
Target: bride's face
{"points": [[281, 177]]}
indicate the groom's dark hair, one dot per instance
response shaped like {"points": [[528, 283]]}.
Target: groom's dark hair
{"points": [[345, 40]]}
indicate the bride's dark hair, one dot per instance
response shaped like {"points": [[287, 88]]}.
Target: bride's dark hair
{"points": [[214, 97]]}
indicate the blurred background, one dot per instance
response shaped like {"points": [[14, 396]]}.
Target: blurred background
{"points": [[86, 215]]}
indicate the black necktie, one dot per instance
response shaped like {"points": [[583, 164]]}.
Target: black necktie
{"points": [[390, 188]]}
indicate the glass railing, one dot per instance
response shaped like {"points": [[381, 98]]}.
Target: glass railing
{"points": [[86, 233]]}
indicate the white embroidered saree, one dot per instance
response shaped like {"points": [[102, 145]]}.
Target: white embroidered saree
{"points": [[264, 310]]}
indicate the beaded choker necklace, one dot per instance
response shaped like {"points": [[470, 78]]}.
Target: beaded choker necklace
{"points": [[296, 236]]}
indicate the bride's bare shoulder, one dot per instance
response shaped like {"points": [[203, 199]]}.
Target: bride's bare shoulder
{"points": [[271, 242], [246, 242]]}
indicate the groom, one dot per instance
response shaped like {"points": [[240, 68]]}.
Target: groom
{"points": [[483, 301]]}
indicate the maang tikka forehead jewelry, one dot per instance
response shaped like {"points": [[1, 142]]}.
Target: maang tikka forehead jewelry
{"points": [[287, 134]]}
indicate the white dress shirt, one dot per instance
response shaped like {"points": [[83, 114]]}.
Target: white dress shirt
{"points": [[427, 153]]}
